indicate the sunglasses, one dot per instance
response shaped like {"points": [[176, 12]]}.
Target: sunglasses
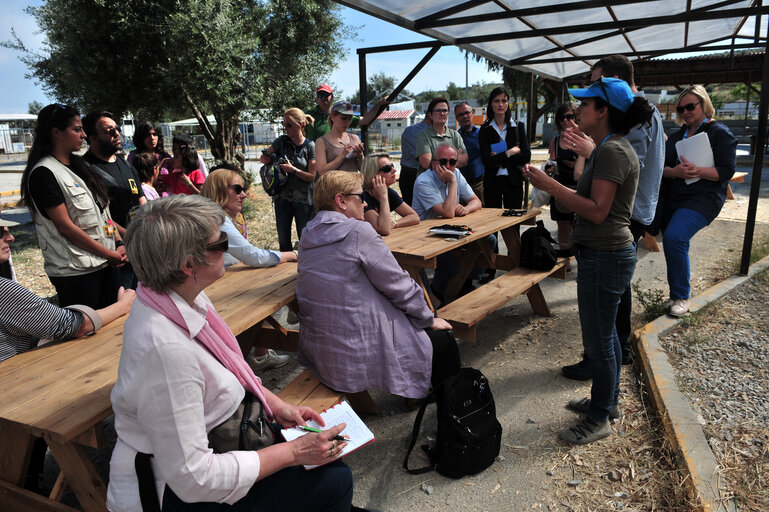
{"points": [[689, 107], [570, 117], [4, 231], [446, 162], [57, 107], [386, 168], [238, 189], [112, 131], [222, 244], [603, 88], [360, 196], [324, 94]]}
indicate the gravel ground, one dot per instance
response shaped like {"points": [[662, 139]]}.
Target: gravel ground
{"points": [[721, 356]]}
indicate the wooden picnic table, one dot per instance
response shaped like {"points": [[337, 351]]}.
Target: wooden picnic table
{"points": [[62, 391]]}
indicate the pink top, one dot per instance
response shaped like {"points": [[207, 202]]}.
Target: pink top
{"points": [[175, 185]]}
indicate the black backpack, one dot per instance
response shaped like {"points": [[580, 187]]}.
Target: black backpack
{"points": [[273, 178], [537, 248], [469, 434]]}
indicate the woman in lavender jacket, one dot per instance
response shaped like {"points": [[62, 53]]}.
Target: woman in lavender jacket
{"points": [[363, 319]]}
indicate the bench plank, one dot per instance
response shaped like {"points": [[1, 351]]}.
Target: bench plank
{"points": [[465, 312], [308, 390]]}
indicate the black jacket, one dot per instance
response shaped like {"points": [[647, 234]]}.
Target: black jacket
{"points": [[488, 136]]}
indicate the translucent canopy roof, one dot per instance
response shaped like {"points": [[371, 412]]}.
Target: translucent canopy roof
{"points": [[560, 39]]}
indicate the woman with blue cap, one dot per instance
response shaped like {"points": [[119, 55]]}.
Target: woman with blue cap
{"points": [[603, 243]]}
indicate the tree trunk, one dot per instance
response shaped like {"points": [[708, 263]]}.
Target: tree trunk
{"points": [[223, 137]]}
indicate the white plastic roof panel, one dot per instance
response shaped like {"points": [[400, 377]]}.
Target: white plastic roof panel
{"points": [[597, 28]]}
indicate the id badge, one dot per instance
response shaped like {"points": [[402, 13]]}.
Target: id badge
{"points": [[109, 231]]}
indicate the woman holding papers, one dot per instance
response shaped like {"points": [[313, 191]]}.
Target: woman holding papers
{"points": [[363, 318], [603, 243], [694, 188], [182, 373], [504, 151]]}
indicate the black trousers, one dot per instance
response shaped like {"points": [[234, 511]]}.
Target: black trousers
{"points": [[406, 181], [500, 191], [97, 289]]}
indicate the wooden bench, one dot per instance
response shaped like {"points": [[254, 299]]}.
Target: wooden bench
{"points": [[739, 177], [465, 312], [307, 390]]}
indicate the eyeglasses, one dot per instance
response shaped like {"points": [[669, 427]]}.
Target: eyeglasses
{"points": [[324, 94], [689, 107], [222, 244], [386, 168], [440, 111], [359, 194], [463, 114], [446, 162], [112, 131], [238, 189], [570, 117]]}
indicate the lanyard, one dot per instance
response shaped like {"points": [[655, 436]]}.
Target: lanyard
{"points": [[605, 139], [686, 133]]}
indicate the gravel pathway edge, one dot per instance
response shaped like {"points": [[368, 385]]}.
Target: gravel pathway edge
{"points": [[685, 434]]}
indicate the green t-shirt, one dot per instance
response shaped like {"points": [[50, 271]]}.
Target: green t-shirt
{"points": [[428, 141], [321, 127], [614, 161]]}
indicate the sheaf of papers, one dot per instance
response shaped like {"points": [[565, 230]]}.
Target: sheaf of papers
{"points": [[697, 150]]}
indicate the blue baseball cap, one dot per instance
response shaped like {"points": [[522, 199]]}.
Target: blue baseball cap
{"points": [[616, 92]]}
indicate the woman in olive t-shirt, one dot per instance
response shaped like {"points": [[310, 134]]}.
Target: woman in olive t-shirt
{"points": [[603, 243]]}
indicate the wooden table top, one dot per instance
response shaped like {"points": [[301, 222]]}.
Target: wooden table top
{"points": [[415, 242], [63, 388]]}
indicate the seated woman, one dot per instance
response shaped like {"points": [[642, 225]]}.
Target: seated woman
{"points": [[146, 165], [224, 186], [172, 390], [378, 176], [363, 318]]}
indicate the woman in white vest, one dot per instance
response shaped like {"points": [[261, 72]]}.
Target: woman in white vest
{"points": [[69, 204]]}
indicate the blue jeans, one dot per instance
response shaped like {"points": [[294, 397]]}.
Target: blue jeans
{"points": [[285, 212], [328, 488], [602, 279], [677, 233]]}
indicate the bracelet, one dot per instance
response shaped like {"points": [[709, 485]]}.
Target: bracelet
{"points": [[555, 193], [90, 313], [119, 243]]}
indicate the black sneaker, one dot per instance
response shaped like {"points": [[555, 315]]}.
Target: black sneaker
{"points": [[583, 405], [627, 356], [579, 371], [586, 431]]}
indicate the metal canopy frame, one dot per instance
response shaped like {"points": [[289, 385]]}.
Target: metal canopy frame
{"points": [[544, 61]]}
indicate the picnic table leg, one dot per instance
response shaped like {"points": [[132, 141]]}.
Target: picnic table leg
{"points": [[15, 452], [467, 259], [512, 238], [80, 474], [537, 301], [416, 274]]}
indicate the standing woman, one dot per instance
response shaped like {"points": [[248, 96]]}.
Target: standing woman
{"points": [[339, 150], [603, 243], [147, 139], [694, 195], [504, 151], [294, 201], [182, 173], [68, 202]]}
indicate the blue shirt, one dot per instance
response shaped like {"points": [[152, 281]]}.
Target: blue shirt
{"points": [[409, 145], [240, 249], [474, 168], [649, 144], [429, 190]]}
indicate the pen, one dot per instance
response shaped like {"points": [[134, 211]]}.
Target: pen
{"points": [[318, 431]]}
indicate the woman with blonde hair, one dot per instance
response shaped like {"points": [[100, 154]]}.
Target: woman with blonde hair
{"points": [[339, 149], [692, 196], [378, 176], [296, 154], [389, 338]]}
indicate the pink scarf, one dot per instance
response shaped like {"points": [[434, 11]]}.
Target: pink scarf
{"points": [[216, 336]]}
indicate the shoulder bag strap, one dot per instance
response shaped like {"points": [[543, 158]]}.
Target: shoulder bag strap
{"points": [[414, 435], [148, 495]]}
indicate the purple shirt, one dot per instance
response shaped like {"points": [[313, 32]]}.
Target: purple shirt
{"points": [[362, 316]]}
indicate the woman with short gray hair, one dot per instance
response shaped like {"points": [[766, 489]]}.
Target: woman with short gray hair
{"points": [[182, 374]]}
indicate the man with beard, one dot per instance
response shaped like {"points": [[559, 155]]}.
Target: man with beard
{"points": [[120, 178]]}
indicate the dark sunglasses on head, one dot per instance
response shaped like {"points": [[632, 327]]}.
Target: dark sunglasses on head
{"points": [[222, 244], [446, 162], [359, 195], [56, 108], [570, 117], [387, 168], [238, 189], [689, 107], [603, 88], [323, 94]]}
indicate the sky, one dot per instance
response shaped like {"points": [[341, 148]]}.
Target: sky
{"points": [[448, 65]]}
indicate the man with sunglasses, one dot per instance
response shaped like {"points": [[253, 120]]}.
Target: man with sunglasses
{"points": [[120, 178], [474, 170], [649, 144], [324, 98]]}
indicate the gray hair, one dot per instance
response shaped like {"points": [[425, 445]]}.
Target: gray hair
{"points": [[460, 104], [166, 234], [435, 153]]}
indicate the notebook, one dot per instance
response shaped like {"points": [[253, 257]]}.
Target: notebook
{"points": [[697, 150], [359, 434]]}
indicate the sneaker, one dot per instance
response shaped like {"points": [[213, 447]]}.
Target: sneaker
{"points": [[583, 405], [668, 303], [266, 362], [586, 431], [627, 355], [579, 371], [679, 307]]}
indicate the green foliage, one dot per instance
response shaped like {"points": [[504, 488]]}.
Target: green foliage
{"points": [[653, 301], [34, 107], [378, 85], [155, 58]]}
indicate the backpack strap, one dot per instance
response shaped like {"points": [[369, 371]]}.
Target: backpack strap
{"points": [[561, 253], [414, 435]]}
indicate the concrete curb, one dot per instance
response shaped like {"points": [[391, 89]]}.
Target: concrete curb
{"points": [[9, 193], [684, 433]]}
